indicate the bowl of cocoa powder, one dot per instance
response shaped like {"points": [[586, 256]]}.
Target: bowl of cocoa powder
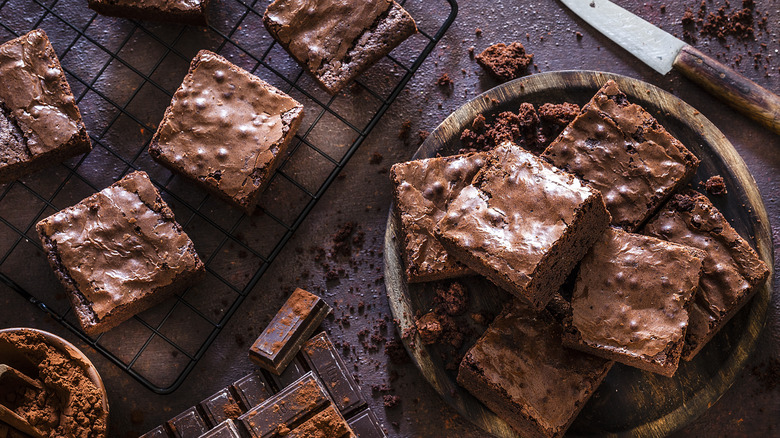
{"points": [[71, 400]]}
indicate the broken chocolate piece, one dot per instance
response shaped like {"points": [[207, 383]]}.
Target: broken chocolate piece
{"points": [[290, 406], [366, 425], [293, 324], [188, 424], [226, 429], [220, 407], [251, 390], [323, 358]]}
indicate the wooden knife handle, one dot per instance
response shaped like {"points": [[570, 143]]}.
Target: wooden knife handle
{"points": [[736, 90]]}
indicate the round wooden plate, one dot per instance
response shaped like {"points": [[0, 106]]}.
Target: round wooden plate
{"points": [[630, 402]]}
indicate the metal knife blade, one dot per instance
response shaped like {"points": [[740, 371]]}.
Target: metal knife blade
{"points": [[651, 45], [662, 52]]}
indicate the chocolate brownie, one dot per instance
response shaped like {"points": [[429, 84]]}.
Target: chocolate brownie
{"points": [[226, 130], [505, 62], [523, 223], [179, 11], [631, 300], [732, 271], [336, 40], [422, 191], [40, 123], [622, 150], [521, 371], [119, 252]]}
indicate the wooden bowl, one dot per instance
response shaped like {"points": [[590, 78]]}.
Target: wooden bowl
{"points": [[630, 402], [14, 359]]}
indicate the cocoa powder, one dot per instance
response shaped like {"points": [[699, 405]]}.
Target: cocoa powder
{"points": [[69, 405]]}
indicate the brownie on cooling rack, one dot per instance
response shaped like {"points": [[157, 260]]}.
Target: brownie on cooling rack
{"points": [[523, 223], [179, 11], [732, 270], [521, 371], [632, 298], [40, 123], [620, 149], [119, 252], [226, 130], [336, 40]]}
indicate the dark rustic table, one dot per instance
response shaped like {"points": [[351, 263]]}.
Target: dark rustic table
{"points": [[558, 41]]}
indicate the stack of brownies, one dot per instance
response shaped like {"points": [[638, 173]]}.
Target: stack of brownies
{"points": [[657, 269]]}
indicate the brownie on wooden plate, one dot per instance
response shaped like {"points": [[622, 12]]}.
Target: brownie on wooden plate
{"points": [[521, 371], [523, 223], [179, 11], [732, 271], [226, 130], [118, 252], [40, 123], [336, 40], [422, 191], [631, 300], [620, 149]]}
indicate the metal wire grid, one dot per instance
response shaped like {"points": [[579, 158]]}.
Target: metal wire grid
{"points": [[123, 74]]}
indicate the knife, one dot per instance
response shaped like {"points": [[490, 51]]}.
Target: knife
{"points": [[662, 52]]}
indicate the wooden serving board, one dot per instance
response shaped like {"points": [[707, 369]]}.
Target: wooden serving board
{"points": [[630, 402]]}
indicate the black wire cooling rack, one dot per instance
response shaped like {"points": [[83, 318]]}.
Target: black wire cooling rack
{"points": [[123, 74]]}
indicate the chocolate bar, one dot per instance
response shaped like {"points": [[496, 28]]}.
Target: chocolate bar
{"points": [[226, 429], [293, 372], [285, 409], [328, 423], [251, 390], [220, 407], [293, 324], [188, 424], [366, 425], [157, 432], [322, 357]]}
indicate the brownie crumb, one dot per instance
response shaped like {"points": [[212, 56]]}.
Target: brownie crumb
{"points": [[396, 352], [478, 32], [505, 62], [423, 135], [376, 158], [406, 129], [391, 401], [444, 81], [471, 52], [453, 300], [429, 328], [578, 35], [529, 128], [715, 185]]}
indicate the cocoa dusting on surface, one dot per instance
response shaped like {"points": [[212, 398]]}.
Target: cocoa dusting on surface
{"points": [[232, 410], [505, 62], [391, 401], [529, 128], [722, 22], [715, 185], [63, 379]]}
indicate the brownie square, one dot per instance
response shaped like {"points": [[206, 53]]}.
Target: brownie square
{"points": [[422, 191], [523, 223], [732, 272], [620, 149], [521, 371], [178, 11], [631, 300], [336, 40], [40, 123], [226, 130], [118, 252]]}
